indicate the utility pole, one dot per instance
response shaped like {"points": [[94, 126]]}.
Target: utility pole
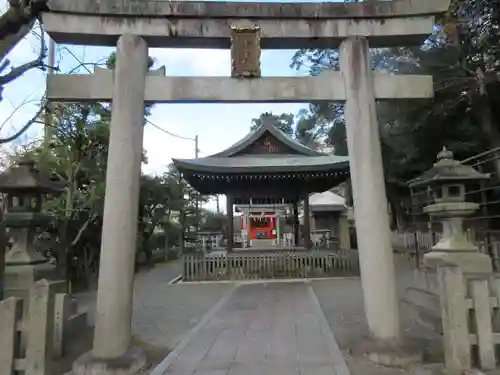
{"points": [[48, 131], [196, 149], [197, 202], [217, 201]]}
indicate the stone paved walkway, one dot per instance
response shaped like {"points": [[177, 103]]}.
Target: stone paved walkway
{"points": [[274, 328]]}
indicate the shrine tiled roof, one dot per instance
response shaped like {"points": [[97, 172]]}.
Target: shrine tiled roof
{"points": [[263, 164], [269, 128], [249, 155]]}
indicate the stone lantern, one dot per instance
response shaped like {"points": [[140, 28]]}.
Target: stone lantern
{"points": [[447, 182], [25, 187]]}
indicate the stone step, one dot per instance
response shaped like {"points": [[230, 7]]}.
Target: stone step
{"points": [[262, 244]]}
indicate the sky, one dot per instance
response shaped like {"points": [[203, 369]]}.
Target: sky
{"points": [[218, 126]]}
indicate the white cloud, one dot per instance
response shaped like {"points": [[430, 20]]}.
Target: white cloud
{"points": [[198, 62]]}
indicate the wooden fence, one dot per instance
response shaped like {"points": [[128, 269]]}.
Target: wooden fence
{"points": [[26, 340], [470, 319], [410, 240], [271, 265]]}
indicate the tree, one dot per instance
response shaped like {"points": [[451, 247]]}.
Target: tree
{"points": [[153, 198], [78, 156], [464, 114], [304, 131], [213, 221], [17, 21], [182, 200], [283, 122], [7, 76]]}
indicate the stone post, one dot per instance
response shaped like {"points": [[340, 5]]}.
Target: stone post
{"points": [[40, 328], [116, 272], [454, 313], [368, 185], [344, 237]]}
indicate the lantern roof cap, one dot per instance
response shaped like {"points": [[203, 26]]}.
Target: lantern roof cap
{"points": [[447, 169], [25, 177]]}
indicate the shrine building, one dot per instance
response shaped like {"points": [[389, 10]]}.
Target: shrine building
{"points": [[263, 175]]}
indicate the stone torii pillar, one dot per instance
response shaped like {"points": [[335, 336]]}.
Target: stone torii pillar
{"points": [[112, 335], [368, 186]]}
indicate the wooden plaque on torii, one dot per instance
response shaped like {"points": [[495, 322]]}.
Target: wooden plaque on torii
{"points": [[245, 52]]}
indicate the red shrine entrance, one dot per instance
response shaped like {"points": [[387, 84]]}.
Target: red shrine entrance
{"points": [[261, 225]]}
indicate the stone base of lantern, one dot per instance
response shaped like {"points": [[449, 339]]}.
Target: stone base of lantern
{"points": [[19, 278], [401, 353], [133, 362], [456, 250], [469, 262]]}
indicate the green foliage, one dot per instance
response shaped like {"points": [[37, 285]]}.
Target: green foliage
{"points": [[77, 155], [283, 122], [464, 59], [213, 222], [304, 131]]}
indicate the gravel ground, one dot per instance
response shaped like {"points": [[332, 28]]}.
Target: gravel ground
{"points": [[342, 303], [163, 313]]}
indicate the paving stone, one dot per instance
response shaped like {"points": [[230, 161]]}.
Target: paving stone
{"points": [[262, 329], [316, 370]]}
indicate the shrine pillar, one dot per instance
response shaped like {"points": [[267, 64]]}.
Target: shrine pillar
{"points": [[249, 227], [278, 231], [307, 224], [368, 186], [230, 222], [112, 338], [296, 223]]}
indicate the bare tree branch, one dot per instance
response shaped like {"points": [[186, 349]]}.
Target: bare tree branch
{"points": [[15, 110], [9, 42], [19, 14], [24, 128], [82, 229], [21, 69]]}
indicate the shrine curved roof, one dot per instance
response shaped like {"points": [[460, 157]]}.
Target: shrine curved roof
{"points": [[263, 164], [235, 159], [251, 137]]}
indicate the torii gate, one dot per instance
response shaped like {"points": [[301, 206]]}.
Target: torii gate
{"points": [[135, 25]]}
